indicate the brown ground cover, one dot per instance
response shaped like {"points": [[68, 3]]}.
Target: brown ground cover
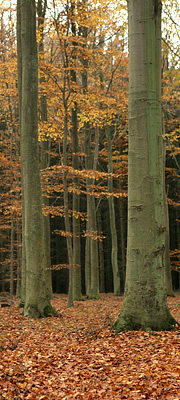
{"points": [[76, 355]]}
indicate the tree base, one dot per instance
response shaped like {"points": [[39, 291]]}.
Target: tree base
{"points": [[127, 322], [170, 294], [33, 312], [118, 294], [78, 298], [93, 297], [21, 304]]}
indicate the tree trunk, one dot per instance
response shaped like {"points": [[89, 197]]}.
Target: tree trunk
{"points": [[19, 261], [91, 262], [114, 243], [12, 223], [77, 294], [101, 251], [91, 256], [166, 224], [19, 58], [145, 301], [94, 287], [66, 211], [44, 146], [37, 301], [123, 249]]}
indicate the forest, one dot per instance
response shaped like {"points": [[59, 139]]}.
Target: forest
{"points": [[89, 199], [83, 75]]}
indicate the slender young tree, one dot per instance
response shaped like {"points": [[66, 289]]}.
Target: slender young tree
{"points": [[77, 295], [44, 146], [114, 250], [36, 297], [91, 253], [145, 302]]}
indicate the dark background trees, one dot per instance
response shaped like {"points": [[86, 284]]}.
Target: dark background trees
{"points": [[85, 62]]}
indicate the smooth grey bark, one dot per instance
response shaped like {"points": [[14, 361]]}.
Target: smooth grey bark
{"points": [[91, 259], [101, 250], [91, 253], [66, 94], [19, 60], [66, 210], [84, 61], [166, 224], [19, 262], [12, 223], [77, 294], [112, 217], [122, 230], [94, 286], [44, 147], [12, 260], [37, 302], [145, 300], [92, 246]]}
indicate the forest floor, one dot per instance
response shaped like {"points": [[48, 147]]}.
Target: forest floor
{"points": [[77, 355]]}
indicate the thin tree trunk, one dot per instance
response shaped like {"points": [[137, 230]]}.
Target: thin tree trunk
{"points": [[94, 287], [44, 145], [123, 250], [92, 266], [12, 260], [87, 252], [2, 268], [166, 224], [19, 261], [114, 242], [19, 59], [77, 294], [66, 210], [91, 256], [101, 251], [12, 222]]}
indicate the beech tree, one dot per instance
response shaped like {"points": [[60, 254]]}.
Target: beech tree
{"points": [[145, 301], [36, 294], [83, 82]]}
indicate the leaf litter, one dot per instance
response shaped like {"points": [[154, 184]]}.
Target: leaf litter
{"points": [[77, 355]]}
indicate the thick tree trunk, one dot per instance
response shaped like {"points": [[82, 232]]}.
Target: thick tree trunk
{"points": [[145, 302], [37, 301]]}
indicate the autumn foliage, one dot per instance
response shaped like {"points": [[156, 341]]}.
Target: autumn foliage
{"points": [[83, 67]]}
